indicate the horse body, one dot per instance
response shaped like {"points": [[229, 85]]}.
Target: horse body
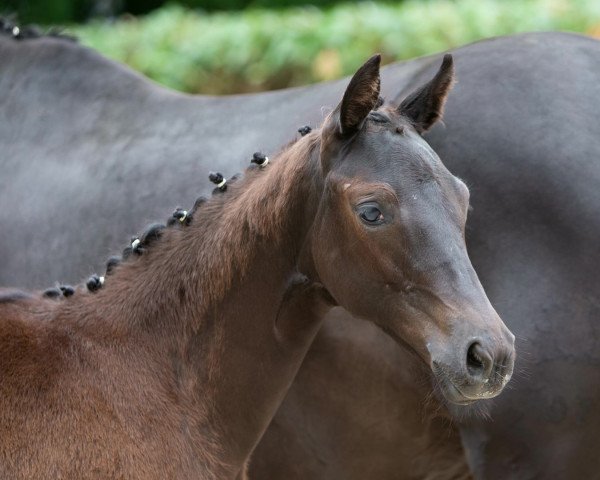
{"points": [[520, 129], [108, 159], [535, 228]]}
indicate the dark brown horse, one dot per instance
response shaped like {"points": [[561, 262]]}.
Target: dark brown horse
{"points": [[176, 365]]}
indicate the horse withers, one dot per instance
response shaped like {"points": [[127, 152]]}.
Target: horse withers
{"points": [[174, 365]]}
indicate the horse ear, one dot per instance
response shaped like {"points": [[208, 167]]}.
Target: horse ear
{"points": [[360, 97], [425, 106]]}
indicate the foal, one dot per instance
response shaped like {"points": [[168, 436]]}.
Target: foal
{"points": [[176, 365]]}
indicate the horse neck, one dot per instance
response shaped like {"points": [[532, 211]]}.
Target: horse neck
{"points": [[223, 301]]}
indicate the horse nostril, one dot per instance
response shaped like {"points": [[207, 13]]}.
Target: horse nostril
{"points": [[479, 362]]}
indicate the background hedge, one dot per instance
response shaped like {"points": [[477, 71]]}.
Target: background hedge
{"points": [[261, 49]]}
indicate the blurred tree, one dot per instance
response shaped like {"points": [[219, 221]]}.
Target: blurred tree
{"points": [[68, 11], [138, 7], [45, 11], [60, 11]]}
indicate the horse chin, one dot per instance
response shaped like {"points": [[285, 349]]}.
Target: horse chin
{"points": [[452, 394], [461, 407]]}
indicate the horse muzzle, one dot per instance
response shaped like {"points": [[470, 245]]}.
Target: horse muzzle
{"points": [[480, 372]]}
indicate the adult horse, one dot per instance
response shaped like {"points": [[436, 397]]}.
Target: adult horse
{"points": [[88, 146], [174, 365]]}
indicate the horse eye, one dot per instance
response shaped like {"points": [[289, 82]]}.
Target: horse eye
{"points": [[370, 214], [378, 118]]}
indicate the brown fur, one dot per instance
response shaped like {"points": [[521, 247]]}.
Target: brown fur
{"points": [[258, 211]]}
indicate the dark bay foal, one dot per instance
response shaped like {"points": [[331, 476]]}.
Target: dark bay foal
{"points": [[176, 365]]}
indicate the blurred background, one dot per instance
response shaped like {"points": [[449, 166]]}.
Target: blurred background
{"points": [[235, 46]]}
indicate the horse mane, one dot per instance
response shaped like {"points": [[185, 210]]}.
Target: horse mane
{"points": [[222, 231], [27, 32], [241, 216]]}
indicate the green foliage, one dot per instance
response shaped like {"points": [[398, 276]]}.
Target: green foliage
{"points": [[212, 5], [261, 49]]}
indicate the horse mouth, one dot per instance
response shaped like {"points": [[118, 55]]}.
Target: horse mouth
{"points": [[452, 393], [456, 395]]}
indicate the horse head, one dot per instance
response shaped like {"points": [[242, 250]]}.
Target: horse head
{"points": [[388, 241]]}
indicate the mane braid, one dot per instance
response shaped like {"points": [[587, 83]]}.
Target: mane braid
{"points": [[219, 244], [257, 207], [11, 295]]}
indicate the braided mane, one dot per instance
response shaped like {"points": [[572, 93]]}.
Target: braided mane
{"points": [[231, 213]]}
